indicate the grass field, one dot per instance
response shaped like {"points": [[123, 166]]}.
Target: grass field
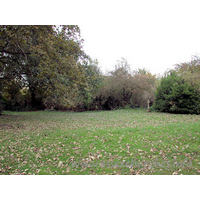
{"points": [[104, 142]]}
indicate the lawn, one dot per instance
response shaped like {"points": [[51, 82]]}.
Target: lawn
{"points": [[99, 142]]}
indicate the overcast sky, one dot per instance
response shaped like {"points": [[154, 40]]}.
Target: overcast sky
{"points": [[150, 34]]}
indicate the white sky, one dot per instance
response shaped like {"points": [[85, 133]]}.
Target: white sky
{"points": [[150, 34]]}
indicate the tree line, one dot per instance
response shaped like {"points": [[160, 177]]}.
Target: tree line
{"points": [[45, 67]]}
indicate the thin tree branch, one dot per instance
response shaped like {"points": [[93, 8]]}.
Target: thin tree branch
{"points": [[10, 52], [22, 51]]}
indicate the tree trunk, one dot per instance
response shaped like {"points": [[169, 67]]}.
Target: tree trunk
{"points": [[33, 98]]}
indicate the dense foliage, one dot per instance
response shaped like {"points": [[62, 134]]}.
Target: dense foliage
{"points": [[124, 88], [45, 67], [177, 95], [190, 71]]}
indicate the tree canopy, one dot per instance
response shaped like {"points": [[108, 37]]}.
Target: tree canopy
{"points": [[46, 67], [46, 60], [122, 88]]}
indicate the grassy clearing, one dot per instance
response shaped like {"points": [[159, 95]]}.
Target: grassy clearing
{"points": [[105, 142]]}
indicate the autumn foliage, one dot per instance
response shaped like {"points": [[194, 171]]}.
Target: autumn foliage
{"points": [[125, 88], [45, 67]]}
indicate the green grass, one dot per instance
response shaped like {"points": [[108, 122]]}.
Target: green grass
{"points": [[117, 142]]}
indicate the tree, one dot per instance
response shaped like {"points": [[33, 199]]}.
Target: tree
{"points": [[122, 87], [90, 84], [44, 59], [190, 71], [176, 95], [144, 89]]}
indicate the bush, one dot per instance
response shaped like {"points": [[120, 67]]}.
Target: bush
{"points": [[175, 95], [127, 107]]}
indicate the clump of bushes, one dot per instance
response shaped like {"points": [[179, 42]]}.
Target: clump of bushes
{"points": [[176, 95]]}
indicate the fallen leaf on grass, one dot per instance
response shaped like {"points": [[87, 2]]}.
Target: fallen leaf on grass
{"points": [[92, 157], [99, 156], [60, 164], [67, 170]]}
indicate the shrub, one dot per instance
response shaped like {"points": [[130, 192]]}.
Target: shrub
{"points": [[176, 95]]}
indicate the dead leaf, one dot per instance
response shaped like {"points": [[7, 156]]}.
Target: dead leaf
{"points": [[67, 170], [99, 156], [60, 164], [92, 157], [151, 150]]}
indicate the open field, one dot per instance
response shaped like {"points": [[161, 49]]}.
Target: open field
{"points": [[104, 142]]}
